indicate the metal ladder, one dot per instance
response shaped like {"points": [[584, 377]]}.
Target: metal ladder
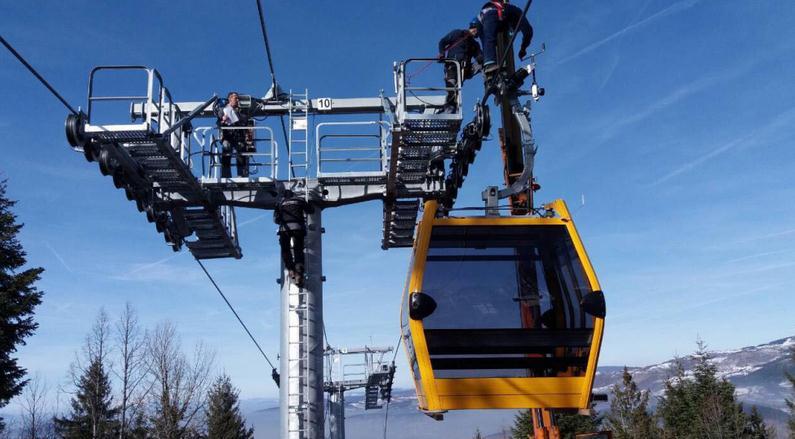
{"points": [[298, 156], [298, 368]]}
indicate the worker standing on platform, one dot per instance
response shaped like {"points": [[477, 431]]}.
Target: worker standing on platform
{"points": [[234, 140], [460, 45], [498, 16], [290, 215]]}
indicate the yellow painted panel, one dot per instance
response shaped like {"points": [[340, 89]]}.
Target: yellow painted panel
{"points": [[508, 402], [509, 386], [593, 357], [415, 284], [499, 221], [422, 402]]}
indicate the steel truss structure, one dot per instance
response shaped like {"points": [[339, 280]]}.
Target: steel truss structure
{"points": [[171, 170], [356, 368]]}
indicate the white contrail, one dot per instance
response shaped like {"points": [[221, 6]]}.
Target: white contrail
{"points": [[767, 236], [610, 70], [150, 265], [252, 220], [761, 255], [755, 137], [704, 158], [58, 256], [663, 103], [670, 10]]}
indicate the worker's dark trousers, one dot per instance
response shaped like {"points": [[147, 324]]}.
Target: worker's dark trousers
{"points": [[236, 148], [488, 38], [450, 80], [293, 255]]}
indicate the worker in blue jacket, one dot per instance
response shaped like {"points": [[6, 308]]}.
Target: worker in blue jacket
{"points": [[498, 16], [460, 45]]}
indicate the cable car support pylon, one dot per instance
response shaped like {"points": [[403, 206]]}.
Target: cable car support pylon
{"points": [[168, 164]]}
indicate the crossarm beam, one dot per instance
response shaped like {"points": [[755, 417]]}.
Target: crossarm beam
{"points": [[337, 106]]}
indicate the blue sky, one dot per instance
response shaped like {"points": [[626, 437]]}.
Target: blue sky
{"points": [[674, 121]]}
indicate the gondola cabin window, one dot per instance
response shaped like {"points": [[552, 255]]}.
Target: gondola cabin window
{"points": [[508, 302]]}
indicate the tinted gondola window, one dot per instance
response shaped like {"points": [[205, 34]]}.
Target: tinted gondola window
{"points": [[508, 302]]}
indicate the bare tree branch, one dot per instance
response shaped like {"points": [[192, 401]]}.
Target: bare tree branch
{"points": [[179, 386], [35, 420], [131, 346]]}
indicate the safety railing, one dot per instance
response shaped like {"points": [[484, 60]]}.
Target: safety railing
{"points": [[229, 221], [355, 371], [359, 154], [263, 159], [403, 89], [161, 118], [160, 110]]}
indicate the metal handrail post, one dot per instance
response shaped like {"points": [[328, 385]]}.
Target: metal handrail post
{"points": [[275, 159], [403, 87], [149, 98]]}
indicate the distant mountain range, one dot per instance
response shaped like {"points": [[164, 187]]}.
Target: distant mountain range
{"points": [[756, 371]]}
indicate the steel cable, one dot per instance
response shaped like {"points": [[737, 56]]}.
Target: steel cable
{"points": [[274, 87], [513, 38], [217, 288], [386, 410], [38, 76]]}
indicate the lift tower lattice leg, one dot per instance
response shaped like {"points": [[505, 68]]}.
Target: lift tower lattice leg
{"points": [[337, 413], [301, 390]]}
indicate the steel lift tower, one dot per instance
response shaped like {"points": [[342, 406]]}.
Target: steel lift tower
{"points": [[369, 371], [170, 169], [170, 165]]}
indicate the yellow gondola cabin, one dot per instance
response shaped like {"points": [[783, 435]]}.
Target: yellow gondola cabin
{"points": [[501, 313]]}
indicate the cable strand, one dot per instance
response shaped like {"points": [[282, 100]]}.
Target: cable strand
{"points": [[263, 28], [37, 75], [267, 43], [217, 288], [513, 38], [386, 410]]}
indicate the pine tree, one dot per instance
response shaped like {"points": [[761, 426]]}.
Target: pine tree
{"points": [[569, 423], [629, 417], [224, 420], [755, 427], [93, 414], [18, 300], [676, 407], [704, 406], [522, 425], [572, 423], [720, 415]]}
